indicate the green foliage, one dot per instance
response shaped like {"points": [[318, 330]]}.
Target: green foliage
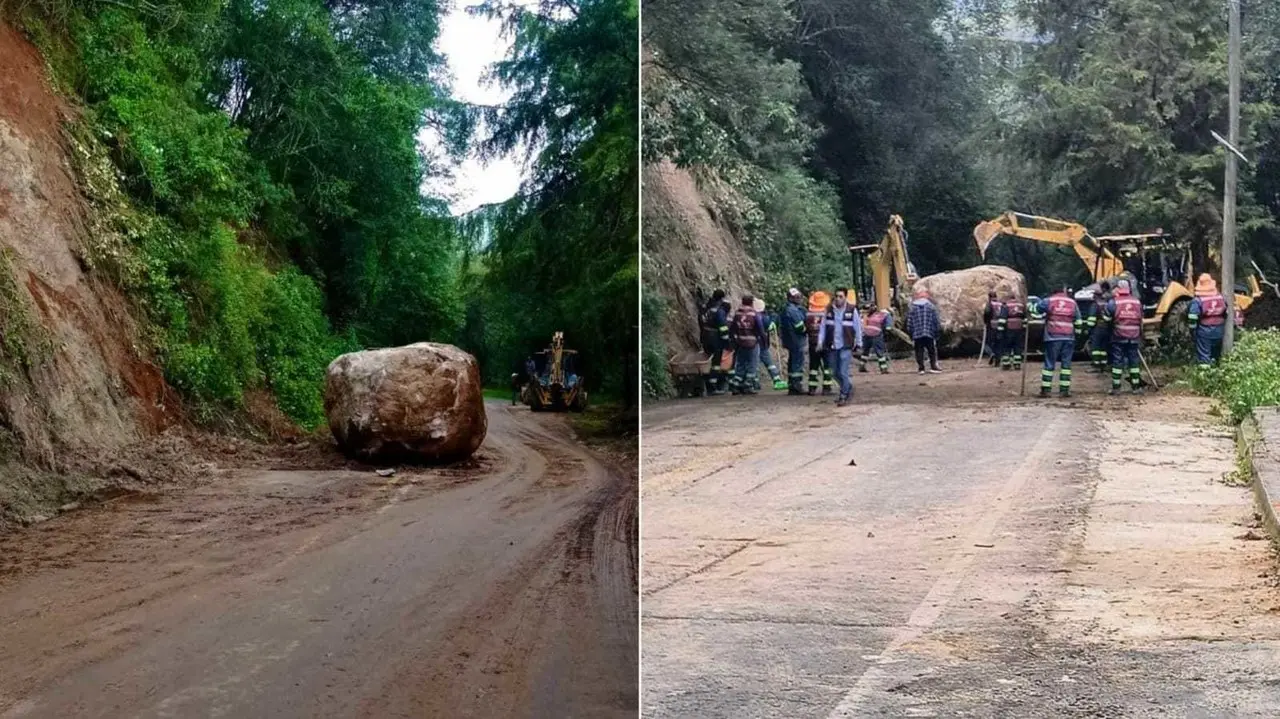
{"points": [[1249, 377], [562, 254], [655, 379], [256, 175]]}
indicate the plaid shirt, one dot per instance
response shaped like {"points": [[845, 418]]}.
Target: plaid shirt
{"points": [[922, 320]]}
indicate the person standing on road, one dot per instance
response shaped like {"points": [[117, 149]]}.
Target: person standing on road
{"points": [[1015, 330], [840, 333], [995, 329], [794, 335], [1123, 313], [715, 339], [1061, 324], [924, 327], [1208, 318], [1099, 328], [878, 322], [748, 332], [766, 356], [819, 370]]}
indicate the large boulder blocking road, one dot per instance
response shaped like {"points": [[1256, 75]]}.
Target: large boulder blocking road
{"points": [[421, 402]]}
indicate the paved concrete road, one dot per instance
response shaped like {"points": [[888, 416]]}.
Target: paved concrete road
{"points": [[502, 589], [943, 548]]}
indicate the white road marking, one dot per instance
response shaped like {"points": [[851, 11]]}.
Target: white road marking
{"points": [[940, 594]]}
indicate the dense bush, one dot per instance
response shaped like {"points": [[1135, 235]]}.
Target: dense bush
{"points": [[1247, 378]]}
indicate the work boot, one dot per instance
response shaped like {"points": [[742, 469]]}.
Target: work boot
{"points": [[921, 373], [779, 384], [1006, 367], [1137, 390], [827, 392], [1065, 394], [793, 392], [1115, 392], [935, 370], [862, 368], [813, 391], [884, 370], [1044, 392]]}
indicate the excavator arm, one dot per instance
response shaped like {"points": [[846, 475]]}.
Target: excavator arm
{"points": [[1100, 262], [886, 260]]}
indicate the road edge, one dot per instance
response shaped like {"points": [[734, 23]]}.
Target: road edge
{"points": [[1255, 455]]}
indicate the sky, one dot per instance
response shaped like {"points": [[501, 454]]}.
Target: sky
{"points": [[471, 44]]}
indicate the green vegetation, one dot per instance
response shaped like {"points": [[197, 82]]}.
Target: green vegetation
{"points": [[828, 115], [256, 170], [562, 254], [1247, 378]]}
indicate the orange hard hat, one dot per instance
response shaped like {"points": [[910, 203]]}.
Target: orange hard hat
{"points": [[1205, 285], [818, 301]]}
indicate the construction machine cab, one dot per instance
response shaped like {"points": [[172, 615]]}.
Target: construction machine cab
{"points": [[557, 385]]}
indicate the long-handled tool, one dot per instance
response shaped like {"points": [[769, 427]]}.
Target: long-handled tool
{"points": [[984, 344], [1026, 339], [1150, 374]]}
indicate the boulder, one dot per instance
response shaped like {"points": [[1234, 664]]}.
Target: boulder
{"points": [[420, 402], [961, 297]]}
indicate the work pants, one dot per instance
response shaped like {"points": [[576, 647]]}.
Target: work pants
{"points": [[1057, 354], [841, 361], [1208, 345], [926, 346], [874, 345], [819, 370], [1125, 359], [746, 362]]}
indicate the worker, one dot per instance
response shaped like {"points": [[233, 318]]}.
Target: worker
{"points": [[1123, 314], [1015, 330], [1099, 328], [818, 367], [766, 356], [1061, 325], [714, 321], [925, 327], [840, 333], [747, 331], [793, 339], [1208, 318], [874, 328], [995, 332]]}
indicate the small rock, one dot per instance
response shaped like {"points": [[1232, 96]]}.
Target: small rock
{"points": [[69, 507], [386, 472], [984, 546], [1250, 536], [871, 534]]}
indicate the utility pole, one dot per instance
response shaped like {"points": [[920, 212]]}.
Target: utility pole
{"points": [[1229, 198]]}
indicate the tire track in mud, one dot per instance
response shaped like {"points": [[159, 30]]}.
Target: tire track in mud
{"points": [[507, 591]]}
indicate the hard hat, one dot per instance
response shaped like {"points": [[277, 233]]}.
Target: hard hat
{"points": [[1205, 285], [758, 304], [818, 301], [793, 292]]}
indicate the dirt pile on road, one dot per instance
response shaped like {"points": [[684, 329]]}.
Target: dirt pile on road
{"points": [[692, 241], [961, 297], [422, 401], [73, 382]]}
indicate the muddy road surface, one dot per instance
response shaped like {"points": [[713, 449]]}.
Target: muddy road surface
{"points": [[944, 548], [502, 588]]}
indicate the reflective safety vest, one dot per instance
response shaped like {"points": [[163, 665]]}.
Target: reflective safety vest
{"points": [[996, 307], [1061, 319], [846, 324], [813, 323], [744, 321], [1213, 310], [1017, 313], [1128, 318], [874, 326]]}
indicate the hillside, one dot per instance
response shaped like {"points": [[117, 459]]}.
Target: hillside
{"points": [[691, 245], [74, 381]]}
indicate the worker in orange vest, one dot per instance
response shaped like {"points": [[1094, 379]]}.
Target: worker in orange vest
{"points": [[818, 367], [1208, 318], [877, 323]]}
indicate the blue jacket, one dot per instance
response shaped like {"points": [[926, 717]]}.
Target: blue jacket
{"points": [[793, 332], [1042, 307], [922, 320]]}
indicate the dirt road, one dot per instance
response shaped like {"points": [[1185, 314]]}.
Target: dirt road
{"points": [[502, 589], [943, 548]]}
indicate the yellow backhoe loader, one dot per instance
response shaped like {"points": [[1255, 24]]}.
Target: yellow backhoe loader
{"points": [[884, 271], [556, 384], [1158, 266]]}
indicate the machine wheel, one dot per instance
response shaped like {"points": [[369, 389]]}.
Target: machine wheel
{"points": [[1175, 333]]}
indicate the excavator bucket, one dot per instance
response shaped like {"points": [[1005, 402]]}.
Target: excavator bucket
{"points": [[984, 233]]}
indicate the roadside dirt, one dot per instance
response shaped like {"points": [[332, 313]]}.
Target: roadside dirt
{"points": [[943, 547], [283, 587]]}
